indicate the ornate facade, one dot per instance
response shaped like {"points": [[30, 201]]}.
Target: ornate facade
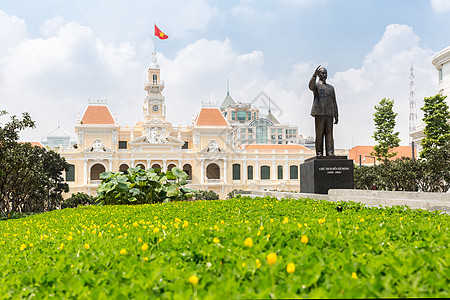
{"points": [[204, 149]]}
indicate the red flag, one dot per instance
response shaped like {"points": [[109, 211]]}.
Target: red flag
{"points": [[160, 34]]}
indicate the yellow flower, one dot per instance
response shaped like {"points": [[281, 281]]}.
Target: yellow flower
{"points": [[185, 224], [216, 240], [86, 246], [145, 258], [156, 229], [271, 220], [123, 251], [299, 225], [304, 239], [321, 221], [272, 258], [401, 218], [140, 240], [135, 224], [70, 237], [144, 247], [258, 233], [361, 220], [31, 245], [23, 247], [261, 228], [286, 220], [61, 246], [338, 220], [100, 234], [193, 279], [222, 221], [354, 276], [429, 219], [258, 263], [243, 265], [268, 237], [248, 242], [290, 268], [164, 227]]}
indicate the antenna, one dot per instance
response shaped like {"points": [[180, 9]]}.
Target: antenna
{"points": [[228, 86], [412, 102]]}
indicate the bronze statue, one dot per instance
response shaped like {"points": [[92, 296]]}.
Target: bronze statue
{"points": [[324, 110]]}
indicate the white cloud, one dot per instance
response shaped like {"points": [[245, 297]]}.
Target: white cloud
{"points": [[12, 31], [51, 26], [440, 5]]}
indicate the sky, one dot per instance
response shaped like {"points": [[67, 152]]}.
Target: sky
{"points": [[55, 54]]}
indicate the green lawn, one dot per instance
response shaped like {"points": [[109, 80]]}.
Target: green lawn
{"points": [[223, 249]]}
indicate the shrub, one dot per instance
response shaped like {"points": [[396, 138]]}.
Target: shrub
{"points": [[143, 186], [78, 199], [206, 195]]}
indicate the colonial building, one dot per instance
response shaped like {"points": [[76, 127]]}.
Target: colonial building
{"points": [[207, 149], [441, 61]]}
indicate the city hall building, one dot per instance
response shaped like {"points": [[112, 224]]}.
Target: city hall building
{"points": [[226, 147]]}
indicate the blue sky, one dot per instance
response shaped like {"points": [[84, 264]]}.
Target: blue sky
{"points": [[55, 54]]}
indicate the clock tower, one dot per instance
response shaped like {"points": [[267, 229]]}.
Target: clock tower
{"points": [[154, 103]]}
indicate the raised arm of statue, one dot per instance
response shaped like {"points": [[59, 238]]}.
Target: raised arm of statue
{"points": [[312, 81]]}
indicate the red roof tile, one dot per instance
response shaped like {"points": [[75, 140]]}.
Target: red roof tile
{"points": [[364, 151], [210, 117], [97, 115]]}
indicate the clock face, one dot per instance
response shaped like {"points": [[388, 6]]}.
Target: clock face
{"points": [[155, 107]]}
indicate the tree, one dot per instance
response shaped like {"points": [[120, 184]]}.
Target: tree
{"points": [[384, 118], [437, 128], [30, 177]]}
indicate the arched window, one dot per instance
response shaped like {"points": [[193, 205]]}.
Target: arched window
{"points": [[96, 170], [261, 125], [280, 172], [293, 171], [250, 172], [141, 166], [213, 171], [157, 167], [70, 173], [188, 169], [124, 168], [155, 79], [265, 172], [170, 166], [236, 172]]}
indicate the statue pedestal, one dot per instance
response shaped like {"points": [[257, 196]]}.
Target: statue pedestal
{"points": [[321, 173]]}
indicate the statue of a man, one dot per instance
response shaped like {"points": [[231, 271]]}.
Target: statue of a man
{"points": [[324, 110]]}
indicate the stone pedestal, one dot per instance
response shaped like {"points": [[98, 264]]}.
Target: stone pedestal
{"points": [[321, 173]]}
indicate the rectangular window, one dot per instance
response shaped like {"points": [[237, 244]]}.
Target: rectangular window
{"points": [[250, 130], [122, 144], [294, 131], [265, 172], [280, 130], [249, 115], [254, 115], [185, 145], [272, 131], [243, 130], [440, 74], [293, 170], [250, 137], [280, 172], [236, 172], [243, 137], [250, 172], [233, 115], [241, 115], [70, 173], [280, 137], [272, 137]]}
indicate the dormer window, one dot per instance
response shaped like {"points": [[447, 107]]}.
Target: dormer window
{"points": [[155, 79]]}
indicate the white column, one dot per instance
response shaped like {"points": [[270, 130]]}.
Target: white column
{"points": [[85, 171], [164, 166], [110, 164], [202, 172], [180, 164], [286, 168], [256, 169], [244, 170], [225, 170], [148, 164], [274, 169]]}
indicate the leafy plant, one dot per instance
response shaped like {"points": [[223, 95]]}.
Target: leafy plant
{"points": [[78, 199], [384, 118], [206, 195], [143, 186]]}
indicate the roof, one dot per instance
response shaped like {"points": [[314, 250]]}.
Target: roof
{"points": [[58, 132], [227, 102], [210, 117], [97, 114], [37, 144], [272, 118], [274, 147], [364, 151]]}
